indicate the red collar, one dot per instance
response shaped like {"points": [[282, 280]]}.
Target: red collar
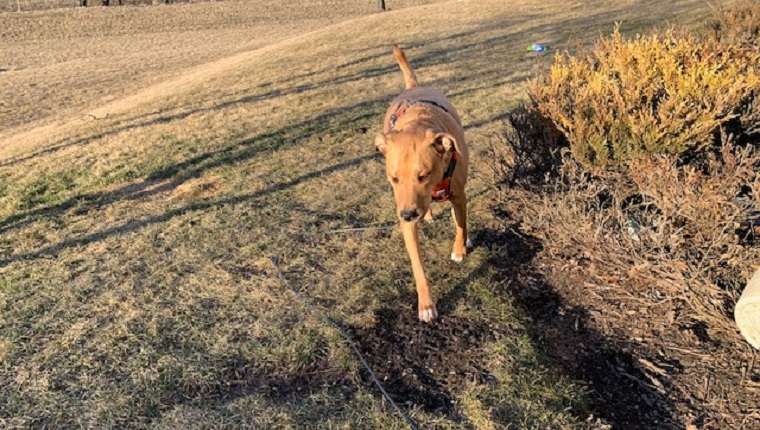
{"points": [[442, 191]]}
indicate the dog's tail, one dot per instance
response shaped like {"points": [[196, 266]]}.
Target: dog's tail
{"points": [[409, 78]]}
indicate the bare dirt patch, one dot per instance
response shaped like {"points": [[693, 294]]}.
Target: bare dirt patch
{"points": [[195, 188], [426, 364]]}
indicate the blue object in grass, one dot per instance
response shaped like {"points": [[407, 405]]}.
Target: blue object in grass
{"points": [[536, 48]]}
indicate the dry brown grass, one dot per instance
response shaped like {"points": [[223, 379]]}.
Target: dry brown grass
{"points": [[135, 294], [56, 63], [662, 225], [36, 5]]}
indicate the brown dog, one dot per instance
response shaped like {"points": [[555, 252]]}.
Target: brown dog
{"points": [[426, 160]]}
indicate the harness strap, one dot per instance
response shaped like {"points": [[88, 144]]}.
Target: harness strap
{"points": [[405, 106]]}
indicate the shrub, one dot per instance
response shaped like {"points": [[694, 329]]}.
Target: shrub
{"points": [[656, 94], [739, 25], [698, 222], [659, 247], [659, 227], [527, 152]]}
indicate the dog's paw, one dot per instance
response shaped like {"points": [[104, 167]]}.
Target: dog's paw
{"points": [[428, 313], [457, 258], [459, 254]]}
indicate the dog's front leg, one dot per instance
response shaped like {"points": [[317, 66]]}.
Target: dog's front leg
{"points": [[425, 304], [462, 240]]}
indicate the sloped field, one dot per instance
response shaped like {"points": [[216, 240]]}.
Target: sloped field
{"points": [[136, 282]]}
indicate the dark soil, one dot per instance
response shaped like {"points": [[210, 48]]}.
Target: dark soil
{"points": [[683, 374], [423, 364]]}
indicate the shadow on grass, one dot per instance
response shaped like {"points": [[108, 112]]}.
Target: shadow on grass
{"points": [[458, 46], [426, 365], [194, 207], [577, 350], [344, 118]]}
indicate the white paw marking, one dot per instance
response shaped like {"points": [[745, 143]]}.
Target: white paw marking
{"points": [[457, 258], [468, 243], [428, 315]]}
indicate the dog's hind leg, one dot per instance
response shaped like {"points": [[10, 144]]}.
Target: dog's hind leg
{"points": [[425, 304]]}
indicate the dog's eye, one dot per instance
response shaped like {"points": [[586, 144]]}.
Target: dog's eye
{"points": [[422, 178], [394, 180]]}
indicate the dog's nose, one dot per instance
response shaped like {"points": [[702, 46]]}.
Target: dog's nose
{"points": [[409, 215]]}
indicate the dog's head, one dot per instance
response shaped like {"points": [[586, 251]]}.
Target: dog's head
{"points": [[414, 163]]}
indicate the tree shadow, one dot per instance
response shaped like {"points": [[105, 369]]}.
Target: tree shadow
{"points": [[617, 387], [173, 175], [344, 117], [254, 198]]}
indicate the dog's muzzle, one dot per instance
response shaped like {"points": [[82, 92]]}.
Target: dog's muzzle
{"points": [[409, 215]]}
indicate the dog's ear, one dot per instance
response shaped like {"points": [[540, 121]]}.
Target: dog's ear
{"points": [[381, 144], [443, 143]]}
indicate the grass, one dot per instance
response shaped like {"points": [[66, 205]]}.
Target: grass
{"points": [[59, 63], [135, 284]]}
